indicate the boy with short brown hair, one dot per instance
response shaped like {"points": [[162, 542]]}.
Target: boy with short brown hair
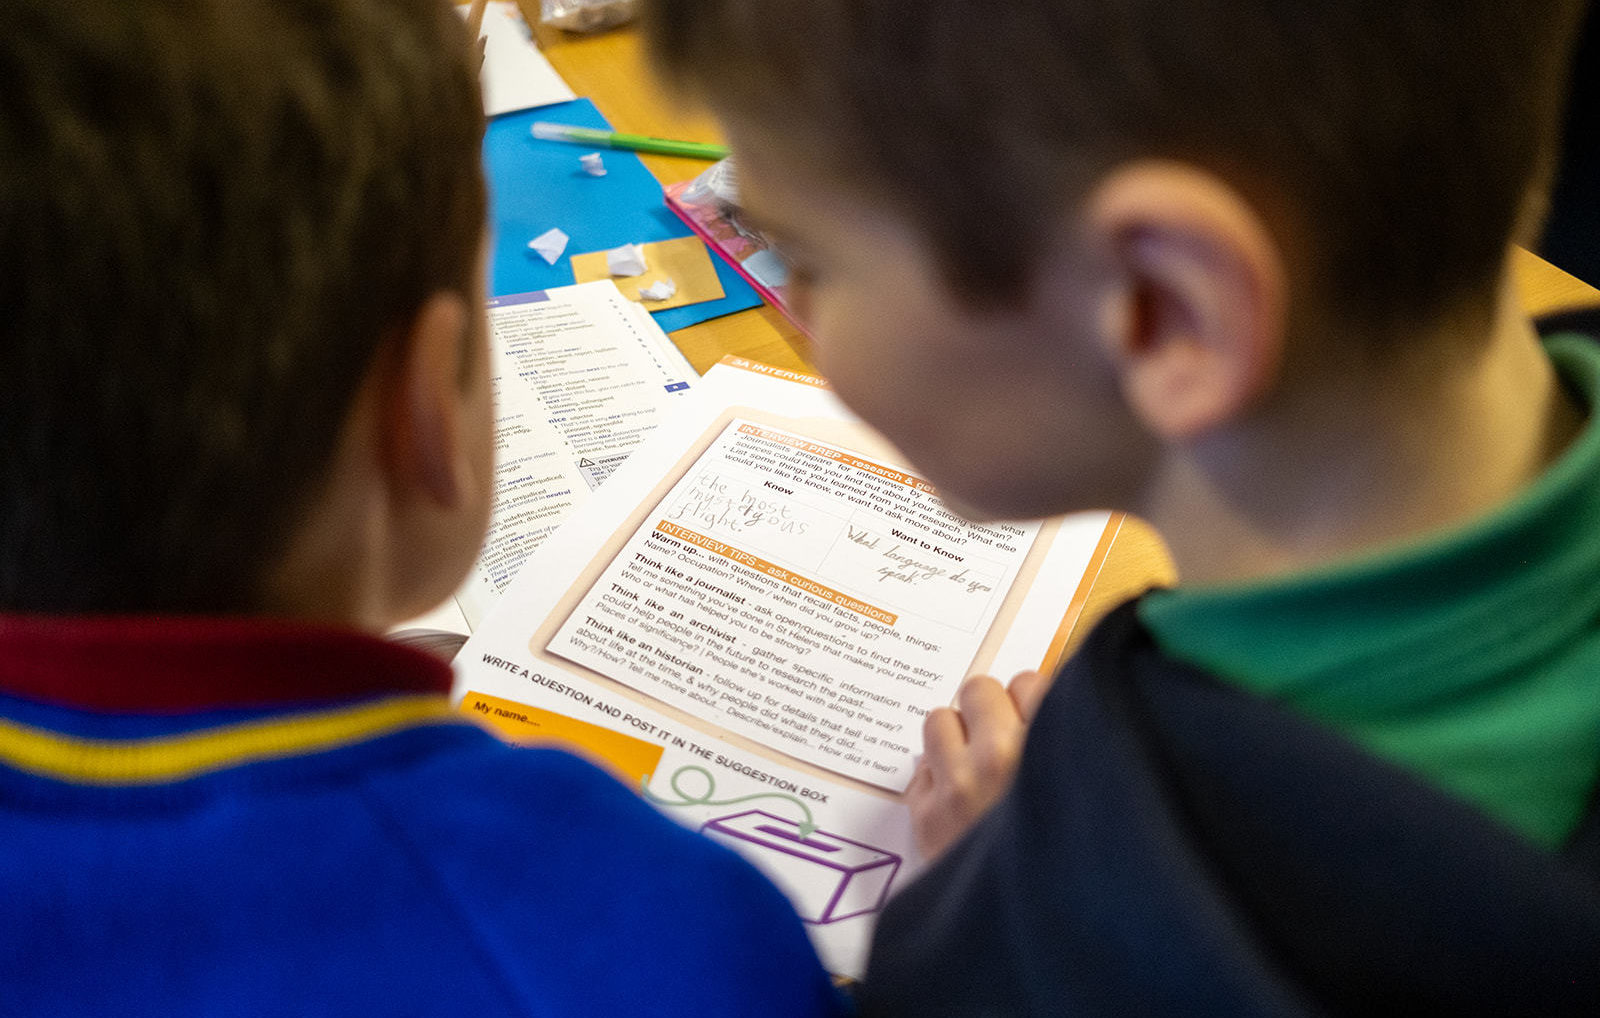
{"points": [[247, 427], [1242, 268]]}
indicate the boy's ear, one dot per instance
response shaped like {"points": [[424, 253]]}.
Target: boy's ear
{"points": [[422, 439], [1200, 295]]}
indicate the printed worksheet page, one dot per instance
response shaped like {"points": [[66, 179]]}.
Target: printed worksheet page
{"points": [[802, 596], [749, 622], [581, 376]]}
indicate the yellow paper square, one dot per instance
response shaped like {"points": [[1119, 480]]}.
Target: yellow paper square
{"points": [[683, 260]]}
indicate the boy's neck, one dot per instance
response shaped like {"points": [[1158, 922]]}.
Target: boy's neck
{"points": [[1385, 454]]}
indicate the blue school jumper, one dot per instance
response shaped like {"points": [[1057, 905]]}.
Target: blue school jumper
{"points": [[235, 817]]}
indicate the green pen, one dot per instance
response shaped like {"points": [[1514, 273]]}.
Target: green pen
{"points": [[633, 142]]}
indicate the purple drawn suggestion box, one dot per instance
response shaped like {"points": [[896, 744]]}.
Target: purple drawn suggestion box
{"points": [[827, 877]]}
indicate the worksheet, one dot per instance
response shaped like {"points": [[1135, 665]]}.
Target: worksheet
{"points": [[581, 376], [749, 622], [802, 596]]}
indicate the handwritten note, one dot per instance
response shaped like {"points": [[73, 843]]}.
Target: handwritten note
{"points": [[718, 502]]}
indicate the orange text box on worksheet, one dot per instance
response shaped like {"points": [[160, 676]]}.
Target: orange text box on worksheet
{"points": [[629, 758]]}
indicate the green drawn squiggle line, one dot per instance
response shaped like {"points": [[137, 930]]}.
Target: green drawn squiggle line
{"points": [[685, 799]]}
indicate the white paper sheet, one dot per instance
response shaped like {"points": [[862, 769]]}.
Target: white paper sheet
{"points": [[766, 596], [582, 376], [516, 75], [792, 594]]}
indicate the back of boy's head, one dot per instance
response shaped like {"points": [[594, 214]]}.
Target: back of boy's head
{"points": [[213, 216], [1395, 140]]}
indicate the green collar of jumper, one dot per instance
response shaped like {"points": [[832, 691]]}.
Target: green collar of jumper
{"points": [[1471, 659]]}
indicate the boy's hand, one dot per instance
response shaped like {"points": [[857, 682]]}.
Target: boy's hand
{"points": [[969, 754]]}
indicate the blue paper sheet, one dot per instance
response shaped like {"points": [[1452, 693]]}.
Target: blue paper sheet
{"points": [[534, 185]]}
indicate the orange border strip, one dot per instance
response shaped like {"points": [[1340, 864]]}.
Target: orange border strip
{"points": [[777, 572], [877, 470], [744, 363], [1069, 621]]}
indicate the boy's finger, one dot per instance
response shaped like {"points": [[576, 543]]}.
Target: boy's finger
{"points": [[1027, 692], [994, 733], [986, 707], [943, 738], [921, 774]]}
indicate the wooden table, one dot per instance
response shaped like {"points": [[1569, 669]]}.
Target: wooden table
{"points": [[610, 69]]}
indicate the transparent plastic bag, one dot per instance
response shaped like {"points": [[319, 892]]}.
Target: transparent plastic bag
{"points": [[716, 185], [586, 15], [710, 205]]}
